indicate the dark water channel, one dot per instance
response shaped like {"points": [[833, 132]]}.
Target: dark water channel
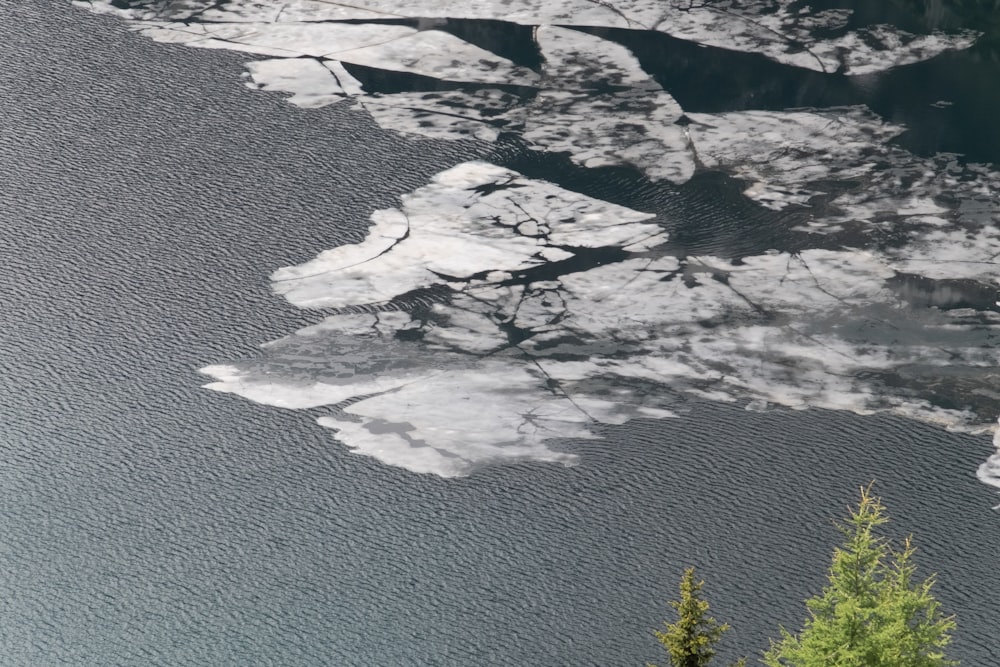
{"points": [[145, 196]]}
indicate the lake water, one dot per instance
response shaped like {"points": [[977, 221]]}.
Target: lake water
{"points": [[148, 196]]}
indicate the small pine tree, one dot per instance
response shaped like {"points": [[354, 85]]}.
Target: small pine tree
{"points": [[691, 640], [872, 613]]}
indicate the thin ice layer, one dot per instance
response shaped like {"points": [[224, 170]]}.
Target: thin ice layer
{"points": [[455, 421], [390, 47], [443, 411], [845, 330], [783, 153], [782, 30], [592, 101], [598, 105], [486, 353]]}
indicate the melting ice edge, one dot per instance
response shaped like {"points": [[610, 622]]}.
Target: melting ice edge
{"points": [[491, 313]]}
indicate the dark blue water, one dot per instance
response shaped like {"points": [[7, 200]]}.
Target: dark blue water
{"points": [[145, 196]]}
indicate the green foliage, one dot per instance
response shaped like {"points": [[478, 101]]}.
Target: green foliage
{"points": [[691, 640], [872, 613]]}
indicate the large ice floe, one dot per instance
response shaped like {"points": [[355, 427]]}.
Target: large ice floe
{"points": [[589, 97], [490, 314], [491, 369], [430, 307], [783, 30]]}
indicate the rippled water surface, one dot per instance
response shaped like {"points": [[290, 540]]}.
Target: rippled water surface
{"points": [[146, 199]]}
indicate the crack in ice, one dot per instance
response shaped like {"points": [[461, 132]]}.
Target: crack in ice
{"points": [[490, 312]]}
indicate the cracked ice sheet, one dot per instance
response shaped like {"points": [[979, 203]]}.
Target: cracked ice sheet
{"points": [[439, 411], [449, 114], [472, 218], [802, 331], [841, 154], [778, 29], [839, 165], [492, 370], [390, 47], [310, 83], [818, 329], [526, 12], [775, 29], [789, 157], [782, 152], [633, 125], [276, 39], [573, 112], [595, 101], [971, 253]]}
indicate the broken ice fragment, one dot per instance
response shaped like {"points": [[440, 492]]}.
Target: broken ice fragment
{"points": [[310, 82], [439, 55], [598, 105], [464, 223], [492, 363], [782, 30]]}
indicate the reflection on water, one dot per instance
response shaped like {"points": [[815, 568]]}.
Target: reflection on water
{"points": [[493, 310]]}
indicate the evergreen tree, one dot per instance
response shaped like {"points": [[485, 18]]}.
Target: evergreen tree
{"points": [[691, 640], [872, 613]]}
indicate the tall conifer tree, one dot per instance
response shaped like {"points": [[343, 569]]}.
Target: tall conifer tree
{"points": [[691, 640], [872, 613]]}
